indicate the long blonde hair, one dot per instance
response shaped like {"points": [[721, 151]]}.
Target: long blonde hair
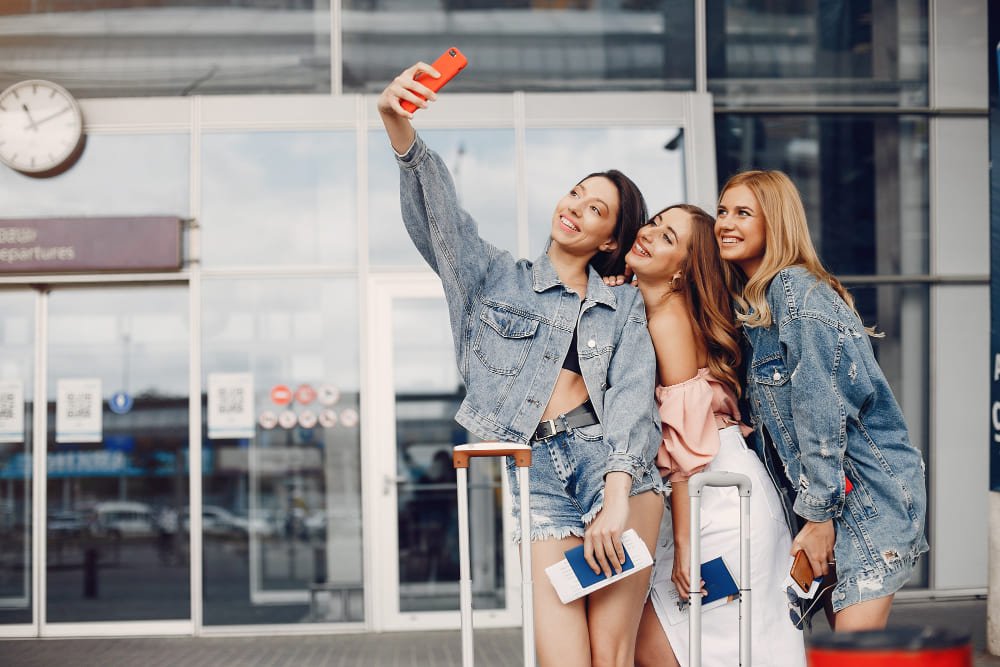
{"points": [[707, 297], [787, 243]]}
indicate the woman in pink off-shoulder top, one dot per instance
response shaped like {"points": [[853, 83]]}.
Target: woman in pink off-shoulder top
{"points": [[676, 261]]}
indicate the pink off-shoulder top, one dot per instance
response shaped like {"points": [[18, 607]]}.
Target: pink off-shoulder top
{"points": [[692, 413]]}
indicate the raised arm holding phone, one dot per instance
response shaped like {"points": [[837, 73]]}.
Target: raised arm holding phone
{"points": [[554, 358]]}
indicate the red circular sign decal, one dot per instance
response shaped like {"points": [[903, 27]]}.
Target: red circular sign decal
{"points": [[281, 394], [305, 394]]}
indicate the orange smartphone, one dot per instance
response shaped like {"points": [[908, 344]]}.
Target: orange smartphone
{"points": [[448, 65], [802, 572]]}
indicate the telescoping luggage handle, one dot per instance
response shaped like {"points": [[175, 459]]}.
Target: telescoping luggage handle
{"points": [[698, 482], [522, 459]]}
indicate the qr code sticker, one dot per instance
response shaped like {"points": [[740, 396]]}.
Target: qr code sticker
{"points": [[78, 405], [231, 400], [7, 405]]}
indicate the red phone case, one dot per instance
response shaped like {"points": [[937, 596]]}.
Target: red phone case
{"points": [[448, 65]]}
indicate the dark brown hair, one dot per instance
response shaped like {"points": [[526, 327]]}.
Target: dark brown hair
{"points": [[632, 214]]}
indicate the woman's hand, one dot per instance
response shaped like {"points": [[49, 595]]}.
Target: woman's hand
{"points": [[612, 281], [817, 539], [602, 542], [407, 87], [682, 569]]}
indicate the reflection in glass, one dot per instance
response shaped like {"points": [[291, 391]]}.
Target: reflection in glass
{"points": [[141, 48], [116, 175], [863, 179], [279, 198], [115, 548], [557, 159], [428, 393], [282, 510], [525, 44], [17, 340], [482, 165], [817, 52]]}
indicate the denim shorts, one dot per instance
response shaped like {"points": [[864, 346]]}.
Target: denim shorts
{"points": [[567, 483]]}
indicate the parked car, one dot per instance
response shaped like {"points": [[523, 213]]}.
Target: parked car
{"points": [[123, 519], [220, 522]]}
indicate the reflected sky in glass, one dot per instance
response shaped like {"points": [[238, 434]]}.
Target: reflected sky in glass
{"points": [[116, 175], [283, 330], [135, 339], [423, 351], [557, 159], [482, 164], [279, 198]]}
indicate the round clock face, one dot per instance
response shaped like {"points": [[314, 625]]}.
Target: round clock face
{"points": [[41, 128]]}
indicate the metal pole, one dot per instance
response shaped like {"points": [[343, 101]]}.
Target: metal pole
{"points": [[745, 581], [694, 582], [527, 600], [465, 573]]}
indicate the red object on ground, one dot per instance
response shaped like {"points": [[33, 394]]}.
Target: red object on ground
{"points": [[899, 647]]}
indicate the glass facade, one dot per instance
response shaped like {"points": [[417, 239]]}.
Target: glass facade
{"points": [[282, 508], [294, 240], [534, 45], [817, 53], [17, 389], [115, 545], [138, 48]]}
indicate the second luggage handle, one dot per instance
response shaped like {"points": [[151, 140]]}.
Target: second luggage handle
{"points": [[696, 484], [520, 453], [522, 459]]}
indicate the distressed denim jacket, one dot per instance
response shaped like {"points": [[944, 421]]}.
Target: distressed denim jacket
{"points": [[512, 323], [814, 385]]}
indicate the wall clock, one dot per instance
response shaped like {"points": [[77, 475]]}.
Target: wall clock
{"points": [[41, 128]]}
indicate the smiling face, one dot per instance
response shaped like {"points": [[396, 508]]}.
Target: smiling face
{"points": [[584, 219], [740, 229], [661, 246]]}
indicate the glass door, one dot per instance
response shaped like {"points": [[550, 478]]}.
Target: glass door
{"points": [[17, 387], [116, 546], [411, 478]]}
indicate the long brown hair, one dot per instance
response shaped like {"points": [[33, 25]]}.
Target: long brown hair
{"points": [[786, 243], [704, 289]]}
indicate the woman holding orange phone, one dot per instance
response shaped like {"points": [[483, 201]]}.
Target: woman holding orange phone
{"points": [[554, 358]]}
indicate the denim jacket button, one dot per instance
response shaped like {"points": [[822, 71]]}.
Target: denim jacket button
{"points": [[777, 375], [591, 343]]}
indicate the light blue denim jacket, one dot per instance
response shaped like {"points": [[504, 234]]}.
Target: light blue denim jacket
{"points": [[813, 383], [512, 323]]}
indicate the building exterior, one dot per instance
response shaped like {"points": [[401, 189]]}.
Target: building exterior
{"points": [[255, 439]]}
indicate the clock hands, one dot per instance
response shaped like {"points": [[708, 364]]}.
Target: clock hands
{"points": [[35, 123], [32, 125]]}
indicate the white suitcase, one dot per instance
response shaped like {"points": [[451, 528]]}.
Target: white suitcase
{"points": [[695, 485], [522, 459]]}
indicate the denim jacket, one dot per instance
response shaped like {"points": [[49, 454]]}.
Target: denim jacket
{"points": [[814, 385], [512, 322]]}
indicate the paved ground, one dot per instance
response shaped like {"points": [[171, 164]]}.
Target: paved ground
{"points": [[494, 648]]}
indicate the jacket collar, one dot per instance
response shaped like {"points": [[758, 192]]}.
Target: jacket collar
{"points": [[544, 277]]}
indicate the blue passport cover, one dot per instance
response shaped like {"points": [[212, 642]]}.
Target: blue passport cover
{"points": [[718, 580], [584, 574]]}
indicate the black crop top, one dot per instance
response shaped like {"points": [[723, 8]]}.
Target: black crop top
{"points": [[572, 360]]}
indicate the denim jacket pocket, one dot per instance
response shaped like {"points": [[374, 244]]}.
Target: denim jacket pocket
{"points": [[859, 501], [503, 339], [771, 372]]}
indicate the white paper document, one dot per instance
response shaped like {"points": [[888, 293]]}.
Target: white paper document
{"points": [[572, 577]]}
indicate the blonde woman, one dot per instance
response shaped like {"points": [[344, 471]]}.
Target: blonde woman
{"points": [[816, 395]]}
